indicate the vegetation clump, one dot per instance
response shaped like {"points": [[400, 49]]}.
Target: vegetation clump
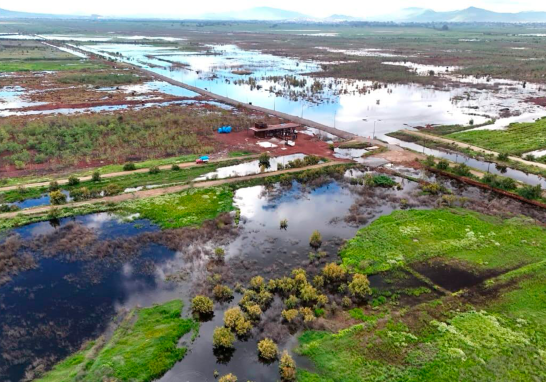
{"points": [[360, 286], [57, 197], [142, 349], [222, 293], [202, 305], [223, 338], [228, 378], [287, 368], [315, 240], [129, 167], [267, 349]]}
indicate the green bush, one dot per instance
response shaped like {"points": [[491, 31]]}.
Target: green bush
{"points": [[154, 170], [287, 368], [96, 177], [129, 167], [175, 167], [73, 181], [223, 338], [267, 349], [315, 240], [57, 197], [442, 165], [202, 305]]}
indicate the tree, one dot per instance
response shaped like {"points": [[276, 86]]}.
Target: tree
{"points": [[223, 338], [202, 305], [287, 367], [360, 286], [267, 349], [264, 159], [96, 177]]}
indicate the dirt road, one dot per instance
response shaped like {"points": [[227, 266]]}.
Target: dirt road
{"points": [[125, 173], [475, 148], [162, 191]]}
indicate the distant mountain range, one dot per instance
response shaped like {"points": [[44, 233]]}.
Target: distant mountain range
{"points": [[407, 15], [471, 14]]}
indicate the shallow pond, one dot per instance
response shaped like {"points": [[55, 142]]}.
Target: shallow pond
{"points": [[71, 297], [356, 106]]}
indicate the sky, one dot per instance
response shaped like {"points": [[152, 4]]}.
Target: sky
{"points": [[162, 8]]}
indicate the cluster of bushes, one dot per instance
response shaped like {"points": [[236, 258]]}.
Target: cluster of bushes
{"points": [[494, 181], [83, 193], [151, 132], [309, 160]]}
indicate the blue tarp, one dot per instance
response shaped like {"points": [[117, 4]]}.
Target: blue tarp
{"points": [[224, 130]]}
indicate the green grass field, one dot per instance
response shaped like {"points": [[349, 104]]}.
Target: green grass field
{"points": [[188, 208], [47, 65], [480, 241], [517, 139], [141, 349]]}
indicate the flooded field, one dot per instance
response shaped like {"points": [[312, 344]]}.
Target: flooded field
{"points": [[87, 269], [356, 106]]}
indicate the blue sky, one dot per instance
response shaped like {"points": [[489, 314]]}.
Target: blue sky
{"points": [[311, 7]]}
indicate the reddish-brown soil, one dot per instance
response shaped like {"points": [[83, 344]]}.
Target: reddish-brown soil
{"points": [[540, 101], [245, 140]]}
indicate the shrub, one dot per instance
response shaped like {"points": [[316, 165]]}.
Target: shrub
{"points": [[257, 283], [254, 311], [57, 197], [322, 300], [82, 193], [73, 181], [360, 286], [96, 177], [315, 240], [112, 189], [290, 314], [346, 302], [154, 170], [228, 378], [284, 224], [308, 314], [232, 316], [530, 192], [383, 181], [54, 186], [308, 293], [175, 167], [264, 298], [287, 368], [202, 305], [219, 254], [430, 161], [318, 281], [291, 302], [129, 167], [223, 338], [503, 157], [286, 284], [222, 292], [333, 272], [264, 159], [243, 327], [267, 349], [442, 164], [462, 170], [432, 188]]}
